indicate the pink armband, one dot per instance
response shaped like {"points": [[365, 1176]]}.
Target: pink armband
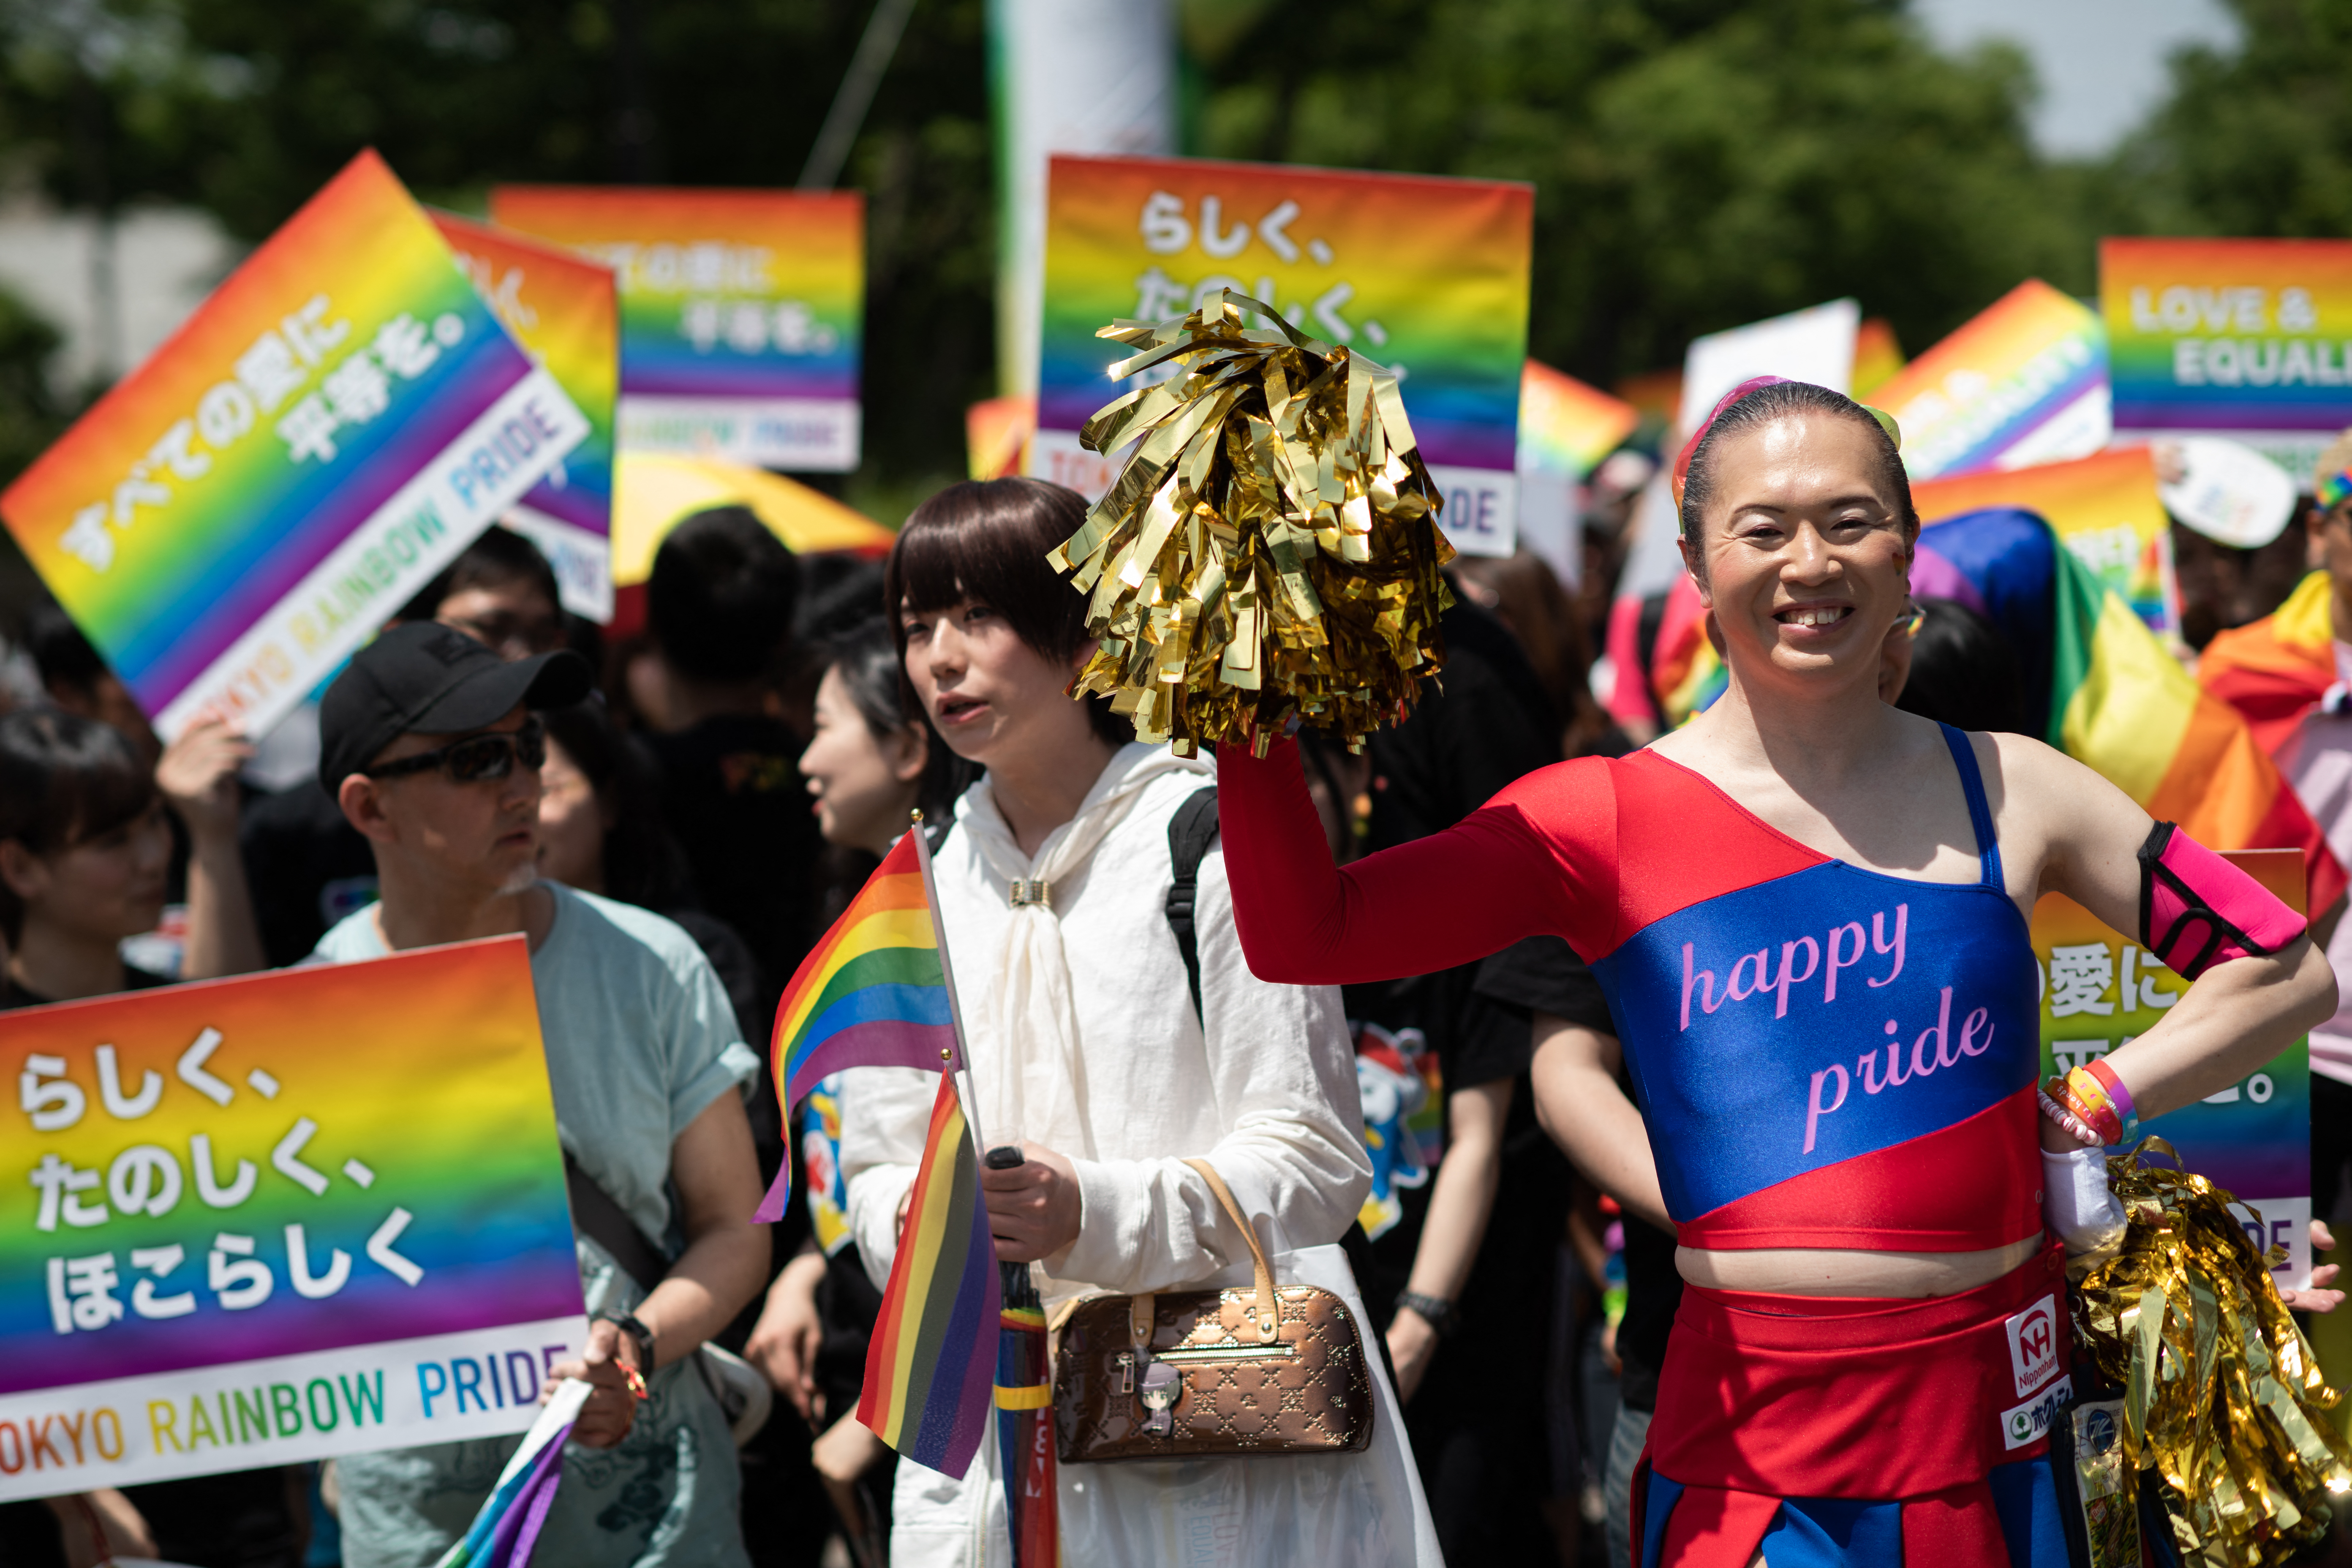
{"points": [[2196, 909]]}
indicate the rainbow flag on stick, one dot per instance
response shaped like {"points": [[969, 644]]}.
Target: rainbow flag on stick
{"points": [[873, 993], [507, 1530], [930, 1368]]}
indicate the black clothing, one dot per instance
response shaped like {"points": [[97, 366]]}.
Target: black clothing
{"points": [[1654, 1294], [307, 866], [1477, 1421], [13, 996], [732, 795], [1544, 975]]}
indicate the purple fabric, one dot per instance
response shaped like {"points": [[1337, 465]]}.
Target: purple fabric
{"points": [[516, 1532], [1934, 576]]}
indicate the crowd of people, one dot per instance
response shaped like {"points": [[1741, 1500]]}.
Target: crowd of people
{"points": [[1394, 1027]]}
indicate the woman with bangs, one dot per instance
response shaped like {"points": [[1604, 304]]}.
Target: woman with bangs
{"points": [[1096, 1055], [1809, 910], [85, 852]]}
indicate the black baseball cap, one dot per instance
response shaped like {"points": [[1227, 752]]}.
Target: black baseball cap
{"points": [[424, 678]]}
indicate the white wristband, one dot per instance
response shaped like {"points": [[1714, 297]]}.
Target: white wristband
{"points": [[2077, 1202]]}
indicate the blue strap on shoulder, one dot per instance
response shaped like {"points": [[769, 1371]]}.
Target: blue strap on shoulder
{"points": [[1964, 757]]}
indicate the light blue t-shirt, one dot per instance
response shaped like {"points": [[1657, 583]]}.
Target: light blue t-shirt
{"points": [[640, 1040]]}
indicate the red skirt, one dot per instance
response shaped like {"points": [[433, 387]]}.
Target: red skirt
{"points": [[1865, 1426]]}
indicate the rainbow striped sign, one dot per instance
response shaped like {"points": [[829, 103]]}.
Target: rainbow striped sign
{"points": [[2253, 1138], [1426, 276], [565, 313], [328, 430], [2023, 382], [1567, 427], [2106, 507], [2248, 337], [740, 313], [265, 1220]]}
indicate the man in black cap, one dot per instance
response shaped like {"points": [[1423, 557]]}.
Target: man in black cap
{"points": [[431, 745]]}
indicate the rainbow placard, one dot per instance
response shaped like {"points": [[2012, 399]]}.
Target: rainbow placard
{"points": [[742, 313], [2250, 338], [327, 431], [1428, 277], [565, 313], [1567, 427], [271, 1219], [2100, 989], [2023, 382], [2106, 507]]}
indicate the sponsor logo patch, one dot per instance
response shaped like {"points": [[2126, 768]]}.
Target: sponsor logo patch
{"points": [[2033, 1345], [2029, 1422]]}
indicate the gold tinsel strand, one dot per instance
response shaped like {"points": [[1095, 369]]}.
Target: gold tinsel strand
{"points": [[2223, 1400], [1270, 551]]}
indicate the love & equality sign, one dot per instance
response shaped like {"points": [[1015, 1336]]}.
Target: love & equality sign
{"points": [[275, 1218]]}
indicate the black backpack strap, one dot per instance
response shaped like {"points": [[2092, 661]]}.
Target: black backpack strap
{"points": [[599, 1215], [1190, 833]]}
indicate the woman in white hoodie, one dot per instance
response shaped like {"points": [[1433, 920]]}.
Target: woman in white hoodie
{"points": [[1087, 1051]]}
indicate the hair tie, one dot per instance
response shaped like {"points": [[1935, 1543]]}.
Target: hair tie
{"points": [[2331, 491]]}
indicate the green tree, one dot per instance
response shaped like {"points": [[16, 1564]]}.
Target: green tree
{"points": [[2254, 142], [245, 107], [31, 415], [1698, 163]]}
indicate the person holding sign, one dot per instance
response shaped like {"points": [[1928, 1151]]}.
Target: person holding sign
{"points": [[433, 747], [1810, 911]]}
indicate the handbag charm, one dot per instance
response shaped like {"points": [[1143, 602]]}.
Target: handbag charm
{"points": [[1161, 1388]]}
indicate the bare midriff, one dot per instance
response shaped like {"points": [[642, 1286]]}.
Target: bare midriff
{"points": [[1847, 1271]]}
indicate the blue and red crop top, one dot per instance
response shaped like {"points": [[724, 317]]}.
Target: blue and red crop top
{"points": [[1825, 1056]]}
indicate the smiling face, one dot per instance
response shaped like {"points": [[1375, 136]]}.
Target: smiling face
{"points": [[990, 695], [1802, 556]]}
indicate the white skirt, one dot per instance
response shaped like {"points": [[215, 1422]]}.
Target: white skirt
{"points": [[1255, 1512]]}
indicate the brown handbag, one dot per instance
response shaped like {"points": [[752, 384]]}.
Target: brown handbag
{"points": [[1193, 1373]]}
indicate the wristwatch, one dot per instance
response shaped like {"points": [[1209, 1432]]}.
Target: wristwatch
{"points": [[640, 1337], [1441, 1314]]}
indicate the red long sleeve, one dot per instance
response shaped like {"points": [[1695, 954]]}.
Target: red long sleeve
{"points": [[1538, 859]]}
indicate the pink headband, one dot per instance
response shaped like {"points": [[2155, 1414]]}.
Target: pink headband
{"points": [[1754, 383], [1690, 447]]}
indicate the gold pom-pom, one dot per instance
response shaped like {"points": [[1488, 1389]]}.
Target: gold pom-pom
{"points": [[1270, 551], [2224, 1406]]}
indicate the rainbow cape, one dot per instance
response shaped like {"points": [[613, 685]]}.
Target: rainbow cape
{"points": [[2276, 670], [873, 993], [505, 1531], [931, 1366]]}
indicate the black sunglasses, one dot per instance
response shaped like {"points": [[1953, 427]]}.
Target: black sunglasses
{"points": [[477, 758]]}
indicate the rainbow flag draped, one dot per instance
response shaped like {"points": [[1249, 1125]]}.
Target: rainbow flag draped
{"points": [[2120, 702], [507, 1530], [931, 1366], [873, 993], [2276, 670]]}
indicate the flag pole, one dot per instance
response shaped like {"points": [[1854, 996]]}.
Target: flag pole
{"points": [[960, 1067]]}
